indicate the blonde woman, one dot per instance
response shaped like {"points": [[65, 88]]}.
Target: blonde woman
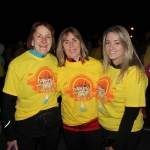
{"points": [[121, 92]]}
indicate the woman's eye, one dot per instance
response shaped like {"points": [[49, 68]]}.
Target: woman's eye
{"points": [[48, 37], [75, 40], [66, 42], [117, 43]]}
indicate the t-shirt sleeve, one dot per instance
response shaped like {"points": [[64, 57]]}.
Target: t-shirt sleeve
{"points": [[134, 89], [11, 82]]}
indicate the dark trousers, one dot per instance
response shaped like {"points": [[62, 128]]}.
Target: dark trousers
{"points": [[147, 109], [131, 142], [48, 142], [90, 140]]}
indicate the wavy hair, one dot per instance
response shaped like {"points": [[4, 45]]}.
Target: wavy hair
{"points": [[130, 57]]}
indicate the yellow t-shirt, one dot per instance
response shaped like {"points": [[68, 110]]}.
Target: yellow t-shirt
{"points": [[112, 98], [33, 80], [77, 84], [97, 53]]}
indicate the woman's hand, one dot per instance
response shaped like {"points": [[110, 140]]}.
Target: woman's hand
{"points": [[10, 144]]}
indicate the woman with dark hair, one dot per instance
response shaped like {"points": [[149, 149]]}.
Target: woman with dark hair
{"points": [[31, 80]]}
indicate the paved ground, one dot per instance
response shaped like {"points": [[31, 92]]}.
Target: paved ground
{"points": [[143, 144]]}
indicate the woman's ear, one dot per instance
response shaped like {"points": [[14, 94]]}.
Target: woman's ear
{"points": [[32, 43]]}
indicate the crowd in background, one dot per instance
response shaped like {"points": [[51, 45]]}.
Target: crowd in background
{"points": [[93, 43]]}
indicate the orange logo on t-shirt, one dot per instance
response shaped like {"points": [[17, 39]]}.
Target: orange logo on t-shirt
{"points": [[44, 81], [104, 94], [81, 88]]}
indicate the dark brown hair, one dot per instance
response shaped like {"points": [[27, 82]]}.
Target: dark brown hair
{"points": [[33, 30]]}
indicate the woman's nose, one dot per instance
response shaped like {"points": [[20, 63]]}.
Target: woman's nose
{"points": [[70, 44], [43, 40], [111, 46]]}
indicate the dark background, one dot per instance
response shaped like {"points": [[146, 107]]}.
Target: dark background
{"points": [[89, 17]]}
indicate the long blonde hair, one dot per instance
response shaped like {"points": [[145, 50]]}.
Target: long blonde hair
{"points": [[130, 56], [61, 56]]}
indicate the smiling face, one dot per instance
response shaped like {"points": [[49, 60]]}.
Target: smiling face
{"points": [[114, 48], [42, 40], [72, 47]]}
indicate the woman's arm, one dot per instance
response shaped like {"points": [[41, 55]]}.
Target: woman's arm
{"points": [[125, 128], [8, 119]]}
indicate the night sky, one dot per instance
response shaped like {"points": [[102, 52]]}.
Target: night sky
{"points": [[88, 17]]}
